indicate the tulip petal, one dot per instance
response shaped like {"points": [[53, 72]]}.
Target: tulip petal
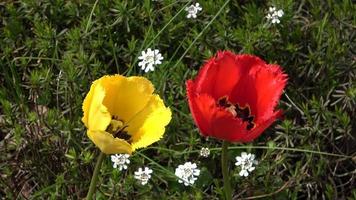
{"points": [[219, 75], [269, 86], [201, 107], [257, 131], [86, 104], [126, 96], [226, 127], [262, 88], [244, 92], [148, 126], [108, 144], [96, 115]]}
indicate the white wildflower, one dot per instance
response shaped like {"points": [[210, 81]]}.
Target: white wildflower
{"points": [[143, 175], [274, 15], [246, 162], [193, 10], [204, 152], [120, 161], [149, 59], [187, 173]]}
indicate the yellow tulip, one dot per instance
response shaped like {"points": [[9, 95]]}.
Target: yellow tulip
{"points": [[122, 114]]}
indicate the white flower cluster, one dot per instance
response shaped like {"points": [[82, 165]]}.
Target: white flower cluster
{"points": [[246, 162], [193, 10], [143, 175], [149, 59], [204, 152], [274, 15], [120, 161], [187, 173]]}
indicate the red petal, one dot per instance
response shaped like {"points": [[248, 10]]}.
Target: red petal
{"points": [[219, 75], [211, 120], [261, 88], [257, 131], [202, 108], [269, 84], [226, 127], [244, 91]]}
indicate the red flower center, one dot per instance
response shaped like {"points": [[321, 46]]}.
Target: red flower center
{"points": [[244, 113]]}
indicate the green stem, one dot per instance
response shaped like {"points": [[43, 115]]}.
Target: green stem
{"points": [[225, 171], [95, 177]]}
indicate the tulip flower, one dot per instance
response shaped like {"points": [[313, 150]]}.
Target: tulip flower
{"points": [[122, 114], [233, 98]]}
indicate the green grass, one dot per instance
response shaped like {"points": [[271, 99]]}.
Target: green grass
{"points": [[51, 51]]}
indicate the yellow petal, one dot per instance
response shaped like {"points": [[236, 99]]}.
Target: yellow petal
{"points": [[96, 115], [148, 126], [108, 144], [126, 96]]}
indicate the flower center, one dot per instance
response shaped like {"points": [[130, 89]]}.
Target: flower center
{"points": [[117, 129], [188, 172], [236, 110], [150, 59], [191, 9], [121, 160], [144, 177]]}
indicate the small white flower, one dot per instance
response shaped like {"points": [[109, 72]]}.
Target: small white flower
{"points": [[246, 162], [143, 175], [275, 20], [187, 173], [193, 10], [280, 13], [149, 59], [120, 161], [204, 152], [272, 9], [243, 172], [274, 15]]}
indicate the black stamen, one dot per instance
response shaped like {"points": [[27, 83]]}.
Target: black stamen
{"points": [[250, 125], [122, 134], [244, 113], [223, 102]]}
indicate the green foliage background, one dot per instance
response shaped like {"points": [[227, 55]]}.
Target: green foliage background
{"points": [[51, 51]]}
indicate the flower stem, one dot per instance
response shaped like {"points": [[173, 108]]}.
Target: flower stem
{"points": [[94, 178], [225, 171]]}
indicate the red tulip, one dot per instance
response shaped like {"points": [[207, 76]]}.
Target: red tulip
{"points": [[233, 97]]}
